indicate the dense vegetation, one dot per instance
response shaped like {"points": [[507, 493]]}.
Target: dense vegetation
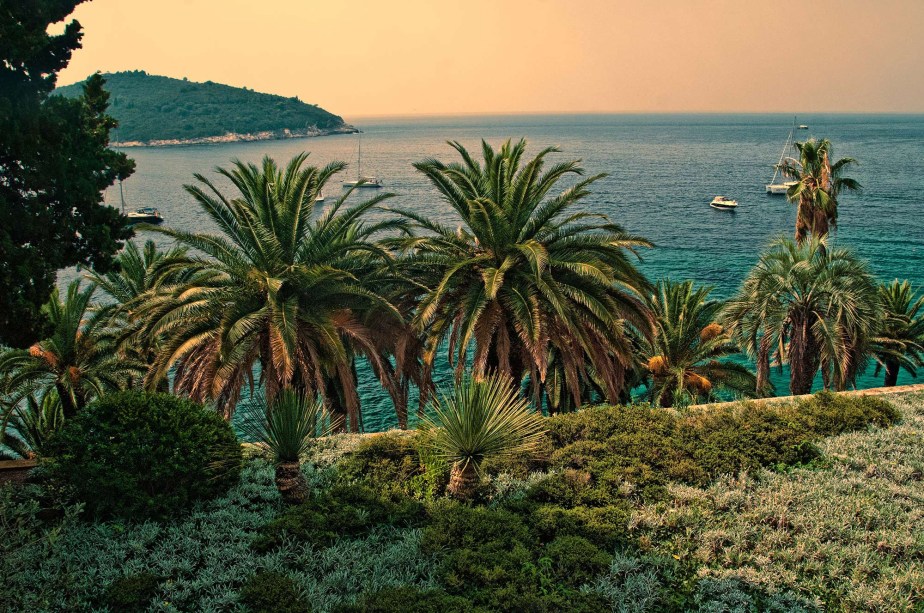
{"points": [[631, 531], [150, 107], [54, 166]]}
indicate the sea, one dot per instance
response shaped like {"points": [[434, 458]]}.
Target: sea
{"points": [[661, 173]]}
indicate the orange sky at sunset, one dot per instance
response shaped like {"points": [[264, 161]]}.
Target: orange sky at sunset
{"points": [[359, 58]]}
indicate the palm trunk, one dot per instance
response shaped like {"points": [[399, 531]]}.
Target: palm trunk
{"points": [[291, 482], [463, 481], [763, 364], [803, 357], [891, 373], [68, 407]]}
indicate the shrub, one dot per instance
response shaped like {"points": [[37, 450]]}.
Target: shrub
{"points": [[576, 561], [341, 512], [139, 455], [827, 414], [272, 592], [132, 592], [395, 464], [408, 600]]}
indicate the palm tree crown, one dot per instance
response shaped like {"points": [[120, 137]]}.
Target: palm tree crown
{"points": [[79, 361], [818, 185], [275, 288], [900, 340], [524, 275], [813, 308], [683, 355]]}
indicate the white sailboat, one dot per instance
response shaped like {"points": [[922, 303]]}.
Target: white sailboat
{"points": [[782, 187], [147, 214], [362, 181]]}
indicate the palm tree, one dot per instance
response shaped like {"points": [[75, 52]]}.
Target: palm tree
{"points": [[274, 289], [900, 340], [79, 362], [28, 425], [524, 273], [138, 274], [818, 185], [286, 428], [683, 356], [813, 308], [481, 419]]}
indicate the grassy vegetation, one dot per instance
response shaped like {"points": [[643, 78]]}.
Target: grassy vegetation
{"points": [[151, 107], [627, 530]]}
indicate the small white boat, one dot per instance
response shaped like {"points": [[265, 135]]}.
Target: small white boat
{"points": [[723, 204], [320, 197], [802, 126], [780, 189], [145, 215], [361, 181]]}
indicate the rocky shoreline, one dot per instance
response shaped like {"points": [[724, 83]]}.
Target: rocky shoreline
{"points": [[233, 137]]}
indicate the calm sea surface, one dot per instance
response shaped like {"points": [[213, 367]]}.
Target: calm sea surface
{"points": [[662, 171]]}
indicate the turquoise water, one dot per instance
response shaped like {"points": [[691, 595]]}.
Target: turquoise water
{"points": [[662, 172]]}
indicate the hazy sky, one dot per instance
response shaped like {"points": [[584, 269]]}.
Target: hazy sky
{"points": [[408, 57]]}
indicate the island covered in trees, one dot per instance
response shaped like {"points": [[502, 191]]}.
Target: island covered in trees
{"points": [[157, 110]]}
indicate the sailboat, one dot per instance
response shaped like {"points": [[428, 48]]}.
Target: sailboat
{"points": [[362, 181], [146, 214], [781, 188]]}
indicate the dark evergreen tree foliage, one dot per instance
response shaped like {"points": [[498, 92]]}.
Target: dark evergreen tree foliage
{"points": [[54, 165]]}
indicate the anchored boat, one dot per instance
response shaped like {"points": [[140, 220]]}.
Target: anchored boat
{"points": [[780, 189], [723, 204], [362, 181]]}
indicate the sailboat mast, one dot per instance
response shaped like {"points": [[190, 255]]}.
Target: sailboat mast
{"points": [[359, 160], [122, 196]]}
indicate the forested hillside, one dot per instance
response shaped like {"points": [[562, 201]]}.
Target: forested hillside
{"points": [[154, 108]]}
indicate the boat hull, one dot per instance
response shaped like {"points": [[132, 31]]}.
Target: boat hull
{"points": [[149, 219], [723, 207], [362, 185]]}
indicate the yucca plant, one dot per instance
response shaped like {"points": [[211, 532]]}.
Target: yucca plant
{"points": [[285, 428], [480, 419]]}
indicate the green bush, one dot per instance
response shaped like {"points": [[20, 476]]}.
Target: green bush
{"points": [[576, 561], [272, 592], [139, 455], [828, 414], [408, 600], [341, 512], [396, 464], [132, 592]]}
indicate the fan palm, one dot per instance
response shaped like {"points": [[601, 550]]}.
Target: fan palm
{"points": [[79, 362], [524, 273], [275, 288], [481, 419], [900, 340], [286, 427], [818, 185], [683, 356], [813, 308]]}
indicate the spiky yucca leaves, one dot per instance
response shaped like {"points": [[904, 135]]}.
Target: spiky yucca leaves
{"points": [[815, 309], [481, 418], [524, 274], [899, 342], [28, 424], [285, 427], [818, 185], [684, 355], [80, 361], [274, 288]]}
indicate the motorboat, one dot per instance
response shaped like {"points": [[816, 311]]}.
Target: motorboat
{"points": [[723, 204], [147, 214], [802, 126], [361, 181]]}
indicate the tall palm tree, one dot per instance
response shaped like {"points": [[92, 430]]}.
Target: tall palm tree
{"points": [[900, 340], [684, 355], [815, 309], [818, 185], [79, 361], [276, 289], [139, 273], [524, 273]]}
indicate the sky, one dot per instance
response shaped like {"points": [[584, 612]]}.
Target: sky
{"points": [[361, 58]]}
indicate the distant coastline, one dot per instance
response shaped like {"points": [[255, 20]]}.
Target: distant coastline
{"points": [[233, 137]]}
